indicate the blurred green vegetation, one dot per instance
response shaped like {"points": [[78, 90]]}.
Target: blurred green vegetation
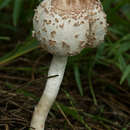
{"points": [[16, 16], [16, 41]]}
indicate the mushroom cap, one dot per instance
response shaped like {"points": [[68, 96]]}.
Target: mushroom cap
{"points": [[66, 27]]}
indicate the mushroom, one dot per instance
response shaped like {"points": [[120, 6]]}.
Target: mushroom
{"points": [[64, 28]]}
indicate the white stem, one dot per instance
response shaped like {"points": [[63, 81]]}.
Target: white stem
{"points": [[57, 67]]}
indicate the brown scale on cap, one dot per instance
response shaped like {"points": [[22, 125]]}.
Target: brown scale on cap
{"points": [[82, 22], [53, 33], [56, 19], [76, 24], [48, 22], [65, 45], [38, 33], [82, 44], [44, 39], [46, 10], [86, 17], [44, 29], [64, 17], [76, 36], [52, 43], [61, 25]]}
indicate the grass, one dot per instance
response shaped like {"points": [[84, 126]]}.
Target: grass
{"points": [[95, 91]]}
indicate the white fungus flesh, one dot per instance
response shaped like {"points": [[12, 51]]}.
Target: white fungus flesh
{"points": [[66, 27]]}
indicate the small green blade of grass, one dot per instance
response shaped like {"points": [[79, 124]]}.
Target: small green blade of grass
{"points": [[92, 90], [107, 4], [98, 118], [105, 125], [120, 3], [64, 115], [17, 10], [77, 78], [121, 46], [4, 3], [126, 127], [124, 47], [71, 99], [72, 102], [21, 91], [123, 66], [115, 31], [126, 10], [125, 38], [125, 74], [74, 114], [9, 27], [4, 38], [19, 51], [24, 69], [90, 72]]}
